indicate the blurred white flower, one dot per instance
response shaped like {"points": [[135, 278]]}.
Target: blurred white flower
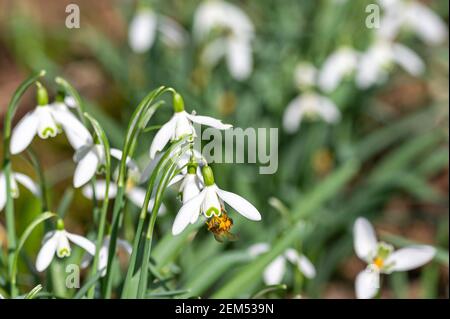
{"points": [[45, 121], [90, 158], [57, 242], [235, 32], [310, 105], [377, 61], [133, 191], [338, 65], [14, 179], [210, 202], [180, 125], [274, 272], [104, 253], [144, 26], [305, 75], [382, 259], [414, 16]]}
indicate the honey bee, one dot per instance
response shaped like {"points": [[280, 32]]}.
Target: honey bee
{"points": [[220, 226]]}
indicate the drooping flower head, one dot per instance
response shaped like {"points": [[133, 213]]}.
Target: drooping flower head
{"points": [[57, 243], [180, 125], [16, 178], [46, 120], [210, 204]]}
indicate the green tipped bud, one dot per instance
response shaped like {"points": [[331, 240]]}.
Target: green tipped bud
{"points": [[60, 224], [178, 103], [208, 175], [192, 168], [60, 95], [41, 94]]}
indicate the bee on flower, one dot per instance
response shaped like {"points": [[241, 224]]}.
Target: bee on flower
{"points": [[210, 204]]}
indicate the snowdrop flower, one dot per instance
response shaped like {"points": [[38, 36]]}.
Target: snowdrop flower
{"points": [[89, 158], [190, 184], [274, 272], [414, 16], [234, 42], [57, 242], [337, 66], [104, 253], [46, 120], [309, 105], [144, 26], [305, 75], [180, 125], [209, 203], [376, 62], [382, 259], [14, 179]]}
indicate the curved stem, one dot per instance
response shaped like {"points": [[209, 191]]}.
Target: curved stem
{"points": [[9, 211]]}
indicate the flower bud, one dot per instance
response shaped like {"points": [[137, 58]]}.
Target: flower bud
{"points": [[208, 175], [41, 94]]}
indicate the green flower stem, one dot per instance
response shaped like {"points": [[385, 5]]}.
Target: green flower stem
{"points": [[165, 179], [9, 211], [104, 210], [141, 116], [142, 217], [45, 201]]}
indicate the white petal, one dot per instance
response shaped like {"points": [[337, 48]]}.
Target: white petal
{"points": [[409, 258], [306, 267], [84, 243], [85, 169], [364, 239], [328, 110], [163, 136], [274, 272], [335, 67], [100, 189], [2, 191], [46, 254], [305, 75], [293, 115], [209, 121], [241, 205], [367, 284], [186, 212], [427, 24], [190, 187], [302, 262], [27, 182], [125, 246], [175, 179], [173, 34], [24, 132], [77, 134], [258, 249], [137, 197], [47, 126], [213, 52], [239, 57], [142, 31], [408, 59]]}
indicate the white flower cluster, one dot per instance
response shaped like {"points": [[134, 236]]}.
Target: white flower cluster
{"points": [[200, 195]]}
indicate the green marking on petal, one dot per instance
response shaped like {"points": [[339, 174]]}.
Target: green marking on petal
{"points": [[63, 252], [212, 211], [48, 132]]}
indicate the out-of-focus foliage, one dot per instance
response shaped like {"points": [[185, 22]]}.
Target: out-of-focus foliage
{"points": [[386, 158]]}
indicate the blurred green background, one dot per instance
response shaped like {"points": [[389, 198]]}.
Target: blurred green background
{"points": [[386, 159]]}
